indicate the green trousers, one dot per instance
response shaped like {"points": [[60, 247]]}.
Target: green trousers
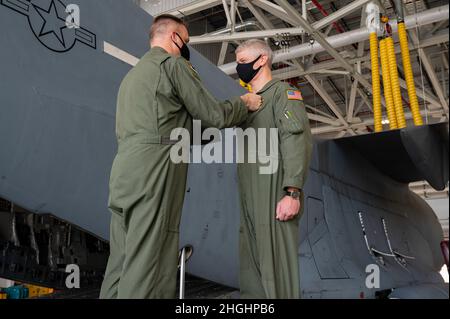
{"points": [[146, 198], [269, 260], [268, 248]]}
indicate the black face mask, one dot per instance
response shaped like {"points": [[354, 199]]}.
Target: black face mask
{"points": [[184, 50], [246, 72]]}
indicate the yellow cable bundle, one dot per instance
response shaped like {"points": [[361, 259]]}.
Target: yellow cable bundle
{"points": [[395, 84], [376, 94], [387, 86], [409, 77]]}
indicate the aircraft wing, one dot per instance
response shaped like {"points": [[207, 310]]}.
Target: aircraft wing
{"points": [[408, 155]]}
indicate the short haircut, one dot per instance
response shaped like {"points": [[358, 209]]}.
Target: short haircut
{"points": [[161, 23], [258, 46]]}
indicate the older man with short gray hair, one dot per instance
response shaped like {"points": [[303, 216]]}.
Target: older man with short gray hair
{"points": [[271, 205]]}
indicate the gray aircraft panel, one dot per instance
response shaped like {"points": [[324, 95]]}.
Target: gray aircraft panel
{"points": [[342, 177], [62, 105]]}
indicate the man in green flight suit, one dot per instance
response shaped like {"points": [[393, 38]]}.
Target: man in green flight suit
{"points": [[271, 204], [162, 93]]}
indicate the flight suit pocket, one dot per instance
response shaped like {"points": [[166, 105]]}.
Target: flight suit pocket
{"points": [[115, 210], [291, 119], [119, 213], [113, 205], [244, 263]]}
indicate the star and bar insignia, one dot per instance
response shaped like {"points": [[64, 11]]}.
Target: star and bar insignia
{"points": [[49, 21], [294, 95]]}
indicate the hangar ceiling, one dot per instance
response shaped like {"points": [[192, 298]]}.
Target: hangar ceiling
{"points": [[339, 101]]}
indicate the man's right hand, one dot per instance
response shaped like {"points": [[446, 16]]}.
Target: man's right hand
{"points": [[252, 101]]}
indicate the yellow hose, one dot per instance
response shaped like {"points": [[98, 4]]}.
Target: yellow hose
{"points": [[414, 102], [376, 94], [390, 107], [395, 84]]}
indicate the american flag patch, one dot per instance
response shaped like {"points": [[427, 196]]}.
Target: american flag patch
{"points": [[294, 95]]}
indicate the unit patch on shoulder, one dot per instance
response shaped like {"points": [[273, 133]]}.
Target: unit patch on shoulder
{"points": [[294, 95]]}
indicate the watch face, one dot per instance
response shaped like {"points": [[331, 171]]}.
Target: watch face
{"points": [[294, 194]]}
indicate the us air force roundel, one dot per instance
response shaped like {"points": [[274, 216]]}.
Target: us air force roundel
{"points": [[47, 20]]}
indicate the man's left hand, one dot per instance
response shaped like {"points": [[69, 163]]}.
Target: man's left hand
{"points": [[288, 208]]}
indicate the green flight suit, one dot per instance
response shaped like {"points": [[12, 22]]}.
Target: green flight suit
{"points": [[269, 248], [146, 188]]}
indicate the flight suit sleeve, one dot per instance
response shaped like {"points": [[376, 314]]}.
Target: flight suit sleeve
{"points": [[295, 137], [200, 103]]}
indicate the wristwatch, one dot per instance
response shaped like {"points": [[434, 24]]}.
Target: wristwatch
{"points": [[294, 194]]}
